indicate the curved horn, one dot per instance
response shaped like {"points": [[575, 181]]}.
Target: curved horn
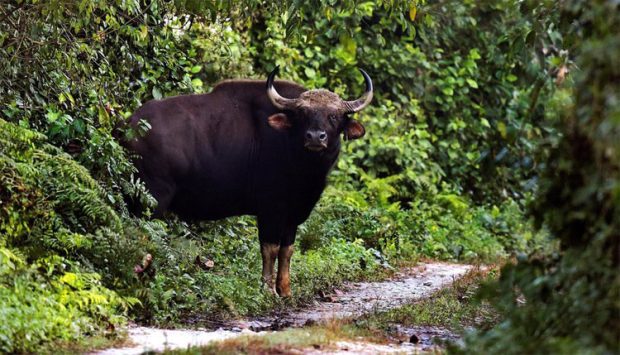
{"points": [[282, 103], [364, 100]]}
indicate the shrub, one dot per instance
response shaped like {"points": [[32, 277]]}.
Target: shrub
{"points": [[50, 300], [567, 303]]}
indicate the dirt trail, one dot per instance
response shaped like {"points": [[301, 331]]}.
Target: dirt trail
{"points": [[408, 285]]}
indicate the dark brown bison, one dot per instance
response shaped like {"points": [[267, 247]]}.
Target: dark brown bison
{"points": [[246, 148]]}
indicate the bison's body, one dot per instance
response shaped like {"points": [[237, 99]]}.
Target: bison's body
{"points": [[214, 155], [236, 151]]}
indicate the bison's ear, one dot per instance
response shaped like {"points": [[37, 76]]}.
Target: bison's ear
{"points": [[353, 130], [279, 121]]}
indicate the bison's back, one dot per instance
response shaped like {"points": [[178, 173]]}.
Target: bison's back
{"points": [[198, 157]]}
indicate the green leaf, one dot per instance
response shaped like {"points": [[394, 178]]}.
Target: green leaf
{"points": [[501, 127], [472, 83], [156, 93], [144, 31], [474, 54], [71, 279], [52, 116], [197, 83], [413, 10]]}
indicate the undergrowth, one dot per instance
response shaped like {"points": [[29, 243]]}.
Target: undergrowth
{"points": [[437, 175], [569, 302]]}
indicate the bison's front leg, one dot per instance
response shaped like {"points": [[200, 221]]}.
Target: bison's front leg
{"points": [[276, 239], [283, 282], [269, 252]]}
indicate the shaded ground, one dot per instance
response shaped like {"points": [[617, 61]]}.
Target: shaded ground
{"points": [[356, 299]]}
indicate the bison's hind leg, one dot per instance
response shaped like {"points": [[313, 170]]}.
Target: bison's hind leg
{"points": [[269, 252], [163, 190]]}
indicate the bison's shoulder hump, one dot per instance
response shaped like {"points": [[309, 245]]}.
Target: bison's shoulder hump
{"points": [[259, 85]]}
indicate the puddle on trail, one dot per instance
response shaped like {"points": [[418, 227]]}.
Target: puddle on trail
{"points": [[408, 285]]}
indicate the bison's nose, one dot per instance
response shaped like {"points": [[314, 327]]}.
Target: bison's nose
{"points": [[316, 136], [316, 140]]}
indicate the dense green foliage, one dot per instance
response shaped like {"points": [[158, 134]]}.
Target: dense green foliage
{"points": [[50, 207], [456, 135], [570, 301]]}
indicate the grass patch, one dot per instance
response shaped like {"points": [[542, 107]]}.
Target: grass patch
{"points": [[456, 307], [85, 345], [322, 337]]}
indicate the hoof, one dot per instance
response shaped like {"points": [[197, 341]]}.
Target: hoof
{"points": [[270, 288], [284, 292]]}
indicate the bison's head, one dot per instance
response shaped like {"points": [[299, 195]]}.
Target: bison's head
{"points": [[318, 116]]}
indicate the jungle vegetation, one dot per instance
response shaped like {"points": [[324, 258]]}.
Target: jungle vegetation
{"points": [[493, 135]]}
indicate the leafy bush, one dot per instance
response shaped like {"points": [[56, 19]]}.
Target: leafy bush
{"points": [[51, 299], [567, 303], [51, 205], [447, 228]]}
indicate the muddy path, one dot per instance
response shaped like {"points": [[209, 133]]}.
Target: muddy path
{"points": [[354, 300]]}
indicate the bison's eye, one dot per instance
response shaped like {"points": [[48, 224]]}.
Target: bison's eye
{"points": [[333, 119]]}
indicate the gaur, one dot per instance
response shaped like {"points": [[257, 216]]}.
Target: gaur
{"points": [[246, 148]]}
